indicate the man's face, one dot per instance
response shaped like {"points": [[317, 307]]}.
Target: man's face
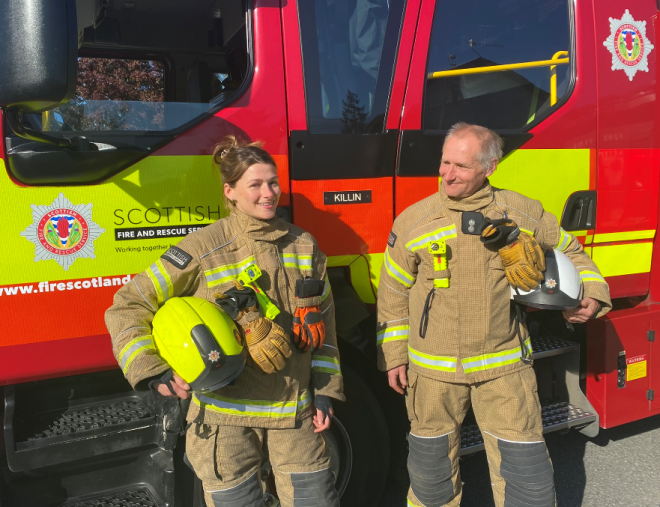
{"points": [[461, 173]]}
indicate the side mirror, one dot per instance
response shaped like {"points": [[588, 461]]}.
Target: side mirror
{"points": [[38, 54]]}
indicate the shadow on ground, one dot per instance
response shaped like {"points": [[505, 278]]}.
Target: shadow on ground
{"points": [[616, 463]]}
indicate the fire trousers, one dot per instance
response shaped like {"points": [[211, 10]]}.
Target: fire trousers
{"points": [[508, 413], [227, 459]]}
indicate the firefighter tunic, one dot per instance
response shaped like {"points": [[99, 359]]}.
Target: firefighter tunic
{"points": [[207, 262], [471, 335], [471, 353]]}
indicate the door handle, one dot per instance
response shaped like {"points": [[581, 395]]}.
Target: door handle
{"points": [[580, 211]]}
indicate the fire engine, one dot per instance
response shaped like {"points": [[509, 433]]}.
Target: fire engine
{"points": [[110, 111]]}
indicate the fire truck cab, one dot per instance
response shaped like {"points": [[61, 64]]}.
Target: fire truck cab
{"points": [[111, 110]]}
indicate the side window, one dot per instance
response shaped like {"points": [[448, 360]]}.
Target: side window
{"points": [[348, 49], [152, 68], [489, 62], [114, 94]]}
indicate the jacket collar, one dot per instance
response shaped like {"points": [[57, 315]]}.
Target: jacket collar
{"points": [[479, 200], [258, 230]]}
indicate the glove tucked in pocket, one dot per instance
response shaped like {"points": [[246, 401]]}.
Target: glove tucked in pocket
{"points": [[308, 325]]}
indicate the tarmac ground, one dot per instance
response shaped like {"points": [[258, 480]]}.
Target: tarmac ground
{"points": [[620, 467]]}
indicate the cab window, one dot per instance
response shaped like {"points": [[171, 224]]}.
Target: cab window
{"points": [[348, 49], [151, 66], [489, 63]]}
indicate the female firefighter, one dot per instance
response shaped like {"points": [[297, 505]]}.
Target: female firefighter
{"points": [[280, 402]]}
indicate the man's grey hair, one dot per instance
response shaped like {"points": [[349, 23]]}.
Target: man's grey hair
{"points": [[491, 143]]}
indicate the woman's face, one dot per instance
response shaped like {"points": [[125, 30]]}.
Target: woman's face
{"points": [[257, 192]]}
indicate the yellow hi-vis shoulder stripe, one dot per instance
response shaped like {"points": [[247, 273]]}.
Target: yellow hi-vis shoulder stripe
{"points": [[423, 241], [226, 273], [301, 262], [432, 362], [410, 504], [325, 364], [489, 361], [391, 334], [397, 272], [564, 240], [591, 276], [132, 349], [161, 280], [252, 408], [531, 233]]}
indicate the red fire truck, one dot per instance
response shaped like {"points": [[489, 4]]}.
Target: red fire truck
{"points": [[111, 110]]}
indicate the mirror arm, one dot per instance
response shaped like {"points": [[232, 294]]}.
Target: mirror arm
{"points": [[15, 124]]}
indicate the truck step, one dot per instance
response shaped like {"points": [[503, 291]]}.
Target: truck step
{"points": [[547, 347], [556, 416], [135, 497], [38, 436]]}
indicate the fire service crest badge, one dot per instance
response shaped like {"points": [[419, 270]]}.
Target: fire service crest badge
{"points": [[629, 45], [62, 231]]}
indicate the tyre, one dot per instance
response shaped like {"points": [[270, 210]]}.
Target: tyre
{"points": [[359, 442]]}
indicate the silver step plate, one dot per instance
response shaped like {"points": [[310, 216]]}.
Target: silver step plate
{"points": [[556, 416]]}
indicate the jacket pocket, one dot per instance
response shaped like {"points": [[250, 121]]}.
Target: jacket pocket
{"points": [[411, 392]]}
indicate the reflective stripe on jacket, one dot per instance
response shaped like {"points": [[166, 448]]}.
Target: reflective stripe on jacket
{"points": [[217, 255], [470, 334]]}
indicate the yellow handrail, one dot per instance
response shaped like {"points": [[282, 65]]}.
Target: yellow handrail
{"points": [[556, 60], [498, 68], [553, 76]]}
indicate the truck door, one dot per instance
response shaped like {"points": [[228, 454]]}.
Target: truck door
{"points": [[628, 155], [513, 67], [340, 56]]}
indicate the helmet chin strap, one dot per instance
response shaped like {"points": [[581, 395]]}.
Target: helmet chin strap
{"points": [[521, 318]]}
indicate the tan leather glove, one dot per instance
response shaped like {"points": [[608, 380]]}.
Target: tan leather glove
{"points": [[523, 262], [267, 343]]}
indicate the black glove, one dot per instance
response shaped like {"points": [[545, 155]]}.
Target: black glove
{"points": [[499, 233], [236, 300], [324, 404]]}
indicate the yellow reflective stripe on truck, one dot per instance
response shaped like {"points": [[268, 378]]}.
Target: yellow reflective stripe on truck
{"points": [[623, 236], [628, 259]]}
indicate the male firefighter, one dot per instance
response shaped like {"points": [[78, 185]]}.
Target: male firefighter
{"points": [[450, 336]]}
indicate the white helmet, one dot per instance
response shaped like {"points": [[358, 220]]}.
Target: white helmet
{"points": [[561, 288]]}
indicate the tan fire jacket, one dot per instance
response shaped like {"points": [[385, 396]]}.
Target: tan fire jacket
{"points": [[471, 333], [205, 263]]}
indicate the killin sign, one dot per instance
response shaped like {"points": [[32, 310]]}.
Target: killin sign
{"points": [[347, 197]]}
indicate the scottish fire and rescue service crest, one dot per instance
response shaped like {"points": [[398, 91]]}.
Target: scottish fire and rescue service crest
{"points": [[62, 231], [629, 45]]}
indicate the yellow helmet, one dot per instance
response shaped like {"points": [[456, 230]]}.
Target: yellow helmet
{"points": [[200, 342]]}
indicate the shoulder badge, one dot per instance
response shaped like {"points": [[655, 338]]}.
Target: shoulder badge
{"points": [[629, 45], [392, 239], [177, 257]]}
